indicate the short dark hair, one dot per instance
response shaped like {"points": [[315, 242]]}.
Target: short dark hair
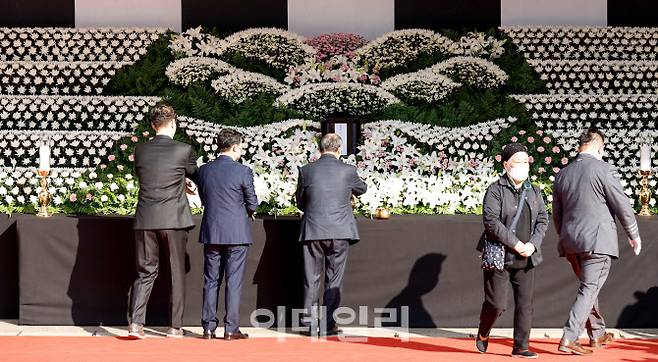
{"points": [[162, 114], [590, 135], [330, 142], [228, 138]]}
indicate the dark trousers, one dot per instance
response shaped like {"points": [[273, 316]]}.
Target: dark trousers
{"points": [[332, 256], [147, 248], [496, 285], [223, 261], [592, 270]]}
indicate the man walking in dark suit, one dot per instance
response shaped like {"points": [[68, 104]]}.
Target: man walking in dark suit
{"points": [[324, 191], [226, 188], [587, 196], [162, 218]]}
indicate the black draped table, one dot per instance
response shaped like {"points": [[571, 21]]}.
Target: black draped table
{"points": [[78, 270]]}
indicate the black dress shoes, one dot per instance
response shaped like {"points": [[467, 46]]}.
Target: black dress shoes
{"points": [[208, 334], [235, 336], [481, 344]]}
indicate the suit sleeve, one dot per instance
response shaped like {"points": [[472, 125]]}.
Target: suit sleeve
{"points": [[191, 169], [541, 224], [557, 210], [491, 217], [619, 203], [299, 193], [359, 187], [250, 198]]}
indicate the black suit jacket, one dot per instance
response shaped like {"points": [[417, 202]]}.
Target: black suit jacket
{"points": [[161, 165], [324, 193]]}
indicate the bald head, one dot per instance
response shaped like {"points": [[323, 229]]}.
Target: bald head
{"points": [[330, 143]]}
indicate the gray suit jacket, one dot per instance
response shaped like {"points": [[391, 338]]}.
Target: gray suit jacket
{"points": [[161, 165], [226, 189], [324, 191], [587, 196]]}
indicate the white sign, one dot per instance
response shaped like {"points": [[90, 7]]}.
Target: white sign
{"points": [[341, 130]]}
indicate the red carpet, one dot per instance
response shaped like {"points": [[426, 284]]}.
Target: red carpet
{"points": [[70, 349]]}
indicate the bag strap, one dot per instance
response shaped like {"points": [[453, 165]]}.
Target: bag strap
{"points": [[519, 208]]}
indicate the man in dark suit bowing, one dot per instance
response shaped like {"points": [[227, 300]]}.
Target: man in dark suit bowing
{"points": [[226, 188], [162, 218], [324, 193]]}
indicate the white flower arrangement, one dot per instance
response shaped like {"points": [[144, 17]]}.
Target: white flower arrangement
{"points": [[595, 43], [477, 44], [195, 43], [186, 71], [581, 111], [52, 78], [336, 69], [75, 113], [471, 71], [598, 77], [238, 86], [76, 44], [319, 99], [421, 86], [401, 47], [278, 48]]}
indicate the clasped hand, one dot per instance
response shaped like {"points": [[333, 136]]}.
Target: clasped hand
{"points": [[524, 249]]}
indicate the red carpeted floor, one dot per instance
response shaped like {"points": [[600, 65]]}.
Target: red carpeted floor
{"points": [[70, 349]]}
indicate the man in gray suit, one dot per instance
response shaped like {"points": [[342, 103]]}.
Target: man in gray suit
{"points": [[587, 196], [324, 192], [226, 188]]}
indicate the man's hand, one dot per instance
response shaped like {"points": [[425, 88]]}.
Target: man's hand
{"points": [[519, 248], [636, 244], [529, 250], [190, 188]]}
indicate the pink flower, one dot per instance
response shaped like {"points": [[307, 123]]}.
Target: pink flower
{"points": [[540, 132], [531, 159], [565, 161], [540, 149], [541, 170], [146, 133], [522, 132], [556, 169], [556, 149], [531, 139], [73, 197], [548, 160], [88, 197], [103, 166], [111, 158], [134, 138], [514, 139], [499, 157], [123, 147], [547, 140], [131, 158]]}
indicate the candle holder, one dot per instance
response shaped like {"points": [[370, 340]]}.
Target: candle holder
{"points": [[382, 213], [645, 192], [44, 194]]}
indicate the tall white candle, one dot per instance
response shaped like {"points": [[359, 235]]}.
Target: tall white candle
{"points": [[645, 157], [44, 156]]}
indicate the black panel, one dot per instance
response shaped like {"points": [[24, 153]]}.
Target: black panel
{"points": [[37, 13], [632, 13], [235, 15], [443, 14]]}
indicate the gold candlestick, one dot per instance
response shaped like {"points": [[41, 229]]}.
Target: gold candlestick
{"points": [[44, 194], [645, 193]]}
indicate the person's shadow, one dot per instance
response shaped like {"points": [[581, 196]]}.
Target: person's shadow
{"points": [[642, 314], [424, 277]]}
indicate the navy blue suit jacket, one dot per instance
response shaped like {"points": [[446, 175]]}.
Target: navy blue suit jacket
{"points": [[226, 189]]}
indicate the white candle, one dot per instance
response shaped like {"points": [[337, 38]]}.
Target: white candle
{"points": [[44, 156], [645, 157]]}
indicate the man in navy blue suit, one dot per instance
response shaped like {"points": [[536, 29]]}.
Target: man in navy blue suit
{"points": [[226, 188]]}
